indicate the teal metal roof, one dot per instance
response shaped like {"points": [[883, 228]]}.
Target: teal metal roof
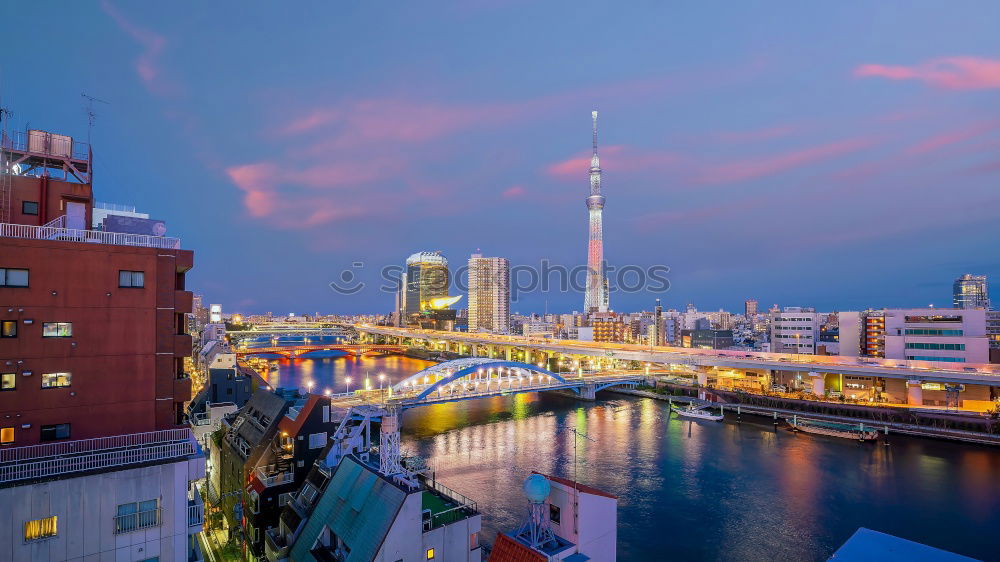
{"points": [[358, 506]]}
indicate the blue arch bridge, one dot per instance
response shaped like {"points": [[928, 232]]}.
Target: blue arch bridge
{"points": [[460, 379]]}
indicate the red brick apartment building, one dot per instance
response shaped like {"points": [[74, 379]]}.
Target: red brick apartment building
{"points": [[93, 322]]}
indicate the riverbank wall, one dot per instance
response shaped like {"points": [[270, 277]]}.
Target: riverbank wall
{"points": [[964, 428]]}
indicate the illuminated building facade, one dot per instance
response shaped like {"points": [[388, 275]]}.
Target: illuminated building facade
{"points": [[94, 448], [971, 291], [489, 294], [596, 296], [794, 330]]}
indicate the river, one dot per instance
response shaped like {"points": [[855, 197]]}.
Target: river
{"points": [[691, 490]]}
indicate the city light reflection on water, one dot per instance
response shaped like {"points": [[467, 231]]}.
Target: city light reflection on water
{"points": [[696, 490]]}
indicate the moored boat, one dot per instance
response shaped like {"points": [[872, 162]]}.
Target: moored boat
{"points": [[696, 412], [857, 431]]}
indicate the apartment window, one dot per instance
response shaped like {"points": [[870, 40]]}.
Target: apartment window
{"points": [[6, 435], [430, 554], [554, 514], [474, 541], [8, 381], [317, 440], [55, 432], [40, 529], [56, 380], [29, 207], [57, 329], [8, 329], [13, 277], [137, 515], [134, 279]]}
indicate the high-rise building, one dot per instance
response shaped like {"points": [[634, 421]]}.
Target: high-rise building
{"points": [[96, 455], [489, 294], [750, 308], [794, 330], [596, 296], [427, 303], [971, 291]]}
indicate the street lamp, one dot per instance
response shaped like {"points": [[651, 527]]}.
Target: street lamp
{"points": [[309, 385], [348, 381], [381, 379]]}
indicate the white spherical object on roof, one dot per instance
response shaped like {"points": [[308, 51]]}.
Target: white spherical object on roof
{"points": [[537, 488]]}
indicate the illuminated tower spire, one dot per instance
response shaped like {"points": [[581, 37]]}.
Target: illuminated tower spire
{"points": [[596, 296]]}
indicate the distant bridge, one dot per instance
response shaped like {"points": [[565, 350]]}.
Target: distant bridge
{"points": [[296, 350], [482, 377], [289, 330]]}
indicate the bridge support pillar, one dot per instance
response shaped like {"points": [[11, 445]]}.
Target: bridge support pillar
{"points": [[506, 353], [702, 383], [914, 393], [818, 383], [588, 392]]}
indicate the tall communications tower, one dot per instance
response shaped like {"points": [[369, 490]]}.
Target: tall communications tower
{"points": [[596, 297]]}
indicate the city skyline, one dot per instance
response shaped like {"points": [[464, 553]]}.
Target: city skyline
{"points": [[743, 163]]}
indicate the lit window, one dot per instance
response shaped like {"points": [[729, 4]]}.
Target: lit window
{"points": [[40, 529], [8, 329], [8, 381], [474, 541], [56, 380], [135, 279], [57, 329], [29, 207], [54, 432], [6, 435], [430, 554], [13, 277]]}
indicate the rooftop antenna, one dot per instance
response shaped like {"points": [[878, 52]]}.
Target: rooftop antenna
{"points": [[91, 115], [577, 434]]}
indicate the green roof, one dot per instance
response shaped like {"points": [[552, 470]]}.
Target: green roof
{"points": [[358, 506]]}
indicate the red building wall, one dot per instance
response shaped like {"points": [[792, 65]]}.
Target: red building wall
{"points": [[127, 347], [51, 196]]}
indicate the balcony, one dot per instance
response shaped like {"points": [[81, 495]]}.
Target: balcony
{"points": [[60, 233], [196, 511], [272, 478], [275, 544], [183, 301], [101, 454]]}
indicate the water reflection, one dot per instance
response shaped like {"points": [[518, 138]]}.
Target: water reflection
{"points": [[703, 490]]}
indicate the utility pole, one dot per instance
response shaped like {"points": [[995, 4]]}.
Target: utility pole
{"points": [[576, 485]]}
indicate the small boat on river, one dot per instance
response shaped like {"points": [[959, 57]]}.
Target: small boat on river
{"points": [[696, 412]]}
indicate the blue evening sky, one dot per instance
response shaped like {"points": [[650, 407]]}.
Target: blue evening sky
{"points": [[834, 154]]}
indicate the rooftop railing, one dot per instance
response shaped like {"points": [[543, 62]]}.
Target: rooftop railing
{"points": [[274, 478], [54, 459], [29, 232]]}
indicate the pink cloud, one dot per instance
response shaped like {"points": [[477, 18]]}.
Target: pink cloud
{"points": [[742, 170], [514, 192], [617, 158], [952, 73], [147, 65], [949, 138]]}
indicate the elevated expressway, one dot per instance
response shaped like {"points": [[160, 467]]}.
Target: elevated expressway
{"points": [[699, 362]]}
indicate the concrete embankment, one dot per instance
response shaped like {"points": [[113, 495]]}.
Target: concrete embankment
{"points": [[739, 409]]}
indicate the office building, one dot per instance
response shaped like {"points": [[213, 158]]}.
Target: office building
{"points": [[426, 303], [942, 335], [971, 291], [489, 295], [794, 330], [750, 308], [97, 458]]}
